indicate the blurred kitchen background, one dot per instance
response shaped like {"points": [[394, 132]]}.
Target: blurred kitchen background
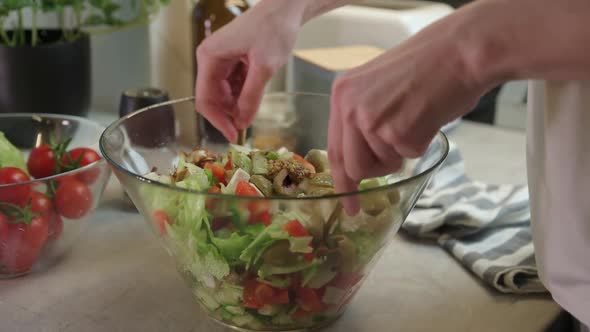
{"points": [[160, 54]]}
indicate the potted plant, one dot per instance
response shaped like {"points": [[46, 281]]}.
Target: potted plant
{"points": [[48, 70]]}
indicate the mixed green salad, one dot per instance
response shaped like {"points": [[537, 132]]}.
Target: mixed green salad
{"points": [[262, 263]]}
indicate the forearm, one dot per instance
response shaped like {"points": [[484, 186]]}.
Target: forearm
{"points": [[526, 39], [315, 8], [299, 12]]}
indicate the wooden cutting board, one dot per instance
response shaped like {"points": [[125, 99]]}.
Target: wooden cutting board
{"points": [[337, 59]]}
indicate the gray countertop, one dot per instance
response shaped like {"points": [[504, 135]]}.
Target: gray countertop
{"points": [[117, 278]]}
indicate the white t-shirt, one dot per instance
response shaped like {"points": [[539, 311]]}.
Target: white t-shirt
{"points": [[558, 161]]}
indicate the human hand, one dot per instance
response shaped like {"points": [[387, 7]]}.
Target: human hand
{"points": [[392, 107], [235, 63]]}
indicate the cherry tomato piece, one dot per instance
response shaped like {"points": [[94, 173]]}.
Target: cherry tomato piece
{"points": [[262, 217], [309, 300], [161, 219], [229, 165], [249, 295], [211, 202], [218, 172], [246, 189], [305, 163], [295, 229]]}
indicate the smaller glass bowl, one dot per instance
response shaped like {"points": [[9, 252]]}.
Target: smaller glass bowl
{"points": [[24, 247]]}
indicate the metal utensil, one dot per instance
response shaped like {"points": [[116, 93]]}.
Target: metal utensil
{"points": [[242, 136]]}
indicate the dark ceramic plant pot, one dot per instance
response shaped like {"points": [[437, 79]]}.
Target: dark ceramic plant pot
{"points": [[52, 77]]}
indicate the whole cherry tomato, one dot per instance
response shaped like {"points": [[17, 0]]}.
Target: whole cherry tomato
{"points": [[40, 203], [42, 162], [80, 157], [73, 199], [25, 233], [20, 260], [15, 194]]}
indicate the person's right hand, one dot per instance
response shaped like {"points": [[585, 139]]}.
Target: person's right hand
{"points": [[235, 63], [391, 108]]}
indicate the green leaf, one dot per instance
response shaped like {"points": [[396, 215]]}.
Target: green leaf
{"points": [[268, 270], [10, 155], [230, 248]]}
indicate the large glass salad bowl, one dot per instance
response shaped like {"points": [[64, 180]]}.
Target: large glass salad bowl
{"points": [[277, 257]]}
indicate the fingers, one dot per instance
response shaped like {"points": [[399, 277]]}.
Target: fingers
{"points": [[410, 133], [213, 94], [342, 183], [389, 160], [251, 94], [358, 156], [335, 155]]}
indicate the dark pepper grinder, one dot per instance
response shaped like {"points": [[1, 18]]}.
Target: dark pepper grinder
{"points": [[159, 122], [138, 98]]}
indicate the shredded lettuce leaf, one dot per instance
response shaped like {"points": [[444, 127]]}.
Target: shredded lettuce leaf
{"points": [[229, 294], [282, 319], [230, 248], [210, 177], [318, 277], [300, 244], [270, 310], [206, 298], [276, 282], [254, 230], [196, 180], [190, 239], [240, 159], [10, 155], [248, 320], [259, 163], [157, 198], [269, 235], [266, 270], [235, 310], [366, 245], [272, 155], [261, 242]]}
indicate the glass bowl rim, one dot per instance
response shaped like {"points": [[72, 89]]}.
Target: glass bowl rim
{"points": [[100, 128], [141, 178]]}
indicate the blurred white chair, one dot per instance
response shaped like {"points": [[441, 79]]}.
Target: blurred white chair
{"points": [[380, 23]]}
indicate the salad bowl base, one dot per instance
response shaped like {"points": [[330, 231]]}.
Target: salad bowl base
{"points": [[316, 327]]}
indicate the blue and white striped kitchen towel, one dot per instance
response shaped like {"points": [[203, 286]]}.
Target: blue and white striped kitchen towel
{"points": [[485, 227]]}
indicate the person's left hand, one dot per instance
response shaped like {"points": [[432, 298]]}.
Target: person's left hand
{"points": [[236, 62], [392, 107]]}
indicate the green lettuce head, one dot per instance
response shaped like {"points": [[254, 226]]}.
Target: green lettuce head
{"points": [[10, 155]]}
